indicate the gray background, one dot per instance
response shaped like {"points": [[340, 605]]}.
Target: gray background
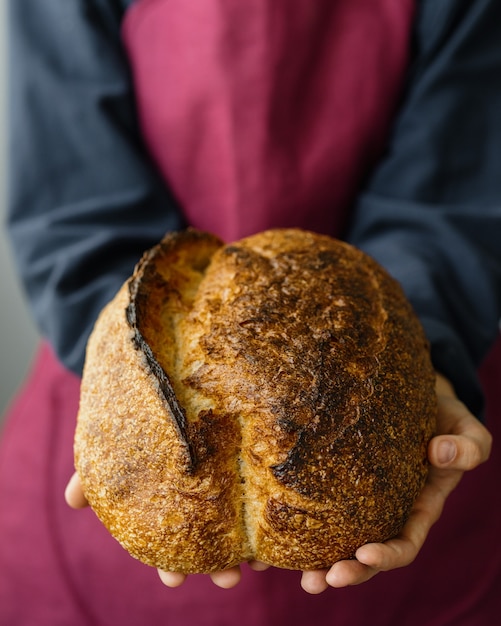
{"points": [[18, 337]]}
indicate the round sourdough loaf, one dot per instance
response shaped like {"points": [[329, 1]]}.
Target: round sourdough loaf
{"points": [[271, 399]]}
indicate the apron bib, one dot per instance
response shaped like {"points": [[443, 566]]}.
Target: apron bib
{"points": [[265, 114]]}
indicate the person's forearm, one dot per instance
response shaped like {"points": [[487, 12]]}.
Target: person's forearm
{"points": [[85, 200], [431, 213]]}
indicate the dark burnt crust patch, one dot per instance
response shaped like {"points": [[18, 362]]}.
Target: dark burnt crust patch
{"points": [[308, 322], [295, 325]]}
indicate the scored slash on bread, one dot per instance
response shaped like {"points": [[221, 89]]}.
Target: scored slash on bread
{"points": [[269, 399]]}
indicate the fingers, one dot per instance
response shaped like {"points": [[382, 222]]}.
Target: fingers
{"points": [[341, 574], [348, 573], [74, 494], [373, 558], [171, 579], [462, 442], [403, 549], [228, 578], [383, 557], [314, 581], [459, 452], [225, 579]]}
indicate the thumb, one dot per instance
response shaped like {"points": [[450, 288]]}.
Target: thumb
{"points": [[462, 441], [460, 452]]}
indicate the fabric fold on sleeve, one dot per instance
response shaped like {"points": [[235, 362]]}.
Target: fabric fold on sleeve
{"points": [[431, 212], [85, 200]]}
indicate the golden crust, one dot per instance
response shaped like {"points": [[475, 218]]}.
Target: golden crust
{"points": [[270, 399]]}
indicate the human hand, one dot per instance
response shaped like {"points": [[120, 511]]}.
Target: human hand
{"points": [[462, 443]]}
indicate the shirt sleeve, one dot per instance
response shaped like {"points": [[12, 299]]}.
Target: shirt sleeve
{"points": [[84, 198], [431, 212]]}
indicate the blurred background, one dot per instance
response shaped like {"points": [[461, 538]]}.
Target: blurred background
{"points": [[18, 337]]}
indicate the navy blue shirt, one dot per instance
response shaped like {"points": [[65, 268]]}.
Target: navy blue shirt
{"points": [[86, 199]]}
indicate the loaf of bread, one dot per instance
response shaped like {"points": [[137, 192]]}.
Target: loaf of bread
{"points": [[271, 399]]}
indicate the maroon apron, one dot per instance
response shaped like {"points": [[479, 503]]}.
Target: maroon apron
{"points": [[272, 121]]}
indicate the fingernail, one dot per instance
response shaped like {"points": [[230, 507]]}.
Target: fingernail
{"points": [[446, 452]]}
